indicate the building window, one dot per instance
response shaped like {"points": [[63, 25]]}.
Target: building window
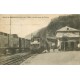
{"points": [[67, 28]]}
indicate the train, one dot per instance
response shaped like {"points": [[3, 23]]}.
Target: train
{"points": [[35, 45], [12, 43], [38, 45]]}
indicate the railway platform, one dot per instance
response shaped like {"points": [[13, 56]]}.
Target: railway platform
{"points": [[54, 58]]}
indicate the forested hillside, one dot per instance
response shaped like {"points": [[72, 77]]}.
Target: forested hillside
{"points": [[59, 22]]}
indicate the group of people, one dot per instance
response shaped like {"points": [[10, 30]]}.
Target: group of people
{"points": [[48, 48]]}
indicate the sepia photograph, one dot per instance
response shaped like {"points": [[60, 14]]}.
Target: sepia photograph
{"points": [[39, 39]]}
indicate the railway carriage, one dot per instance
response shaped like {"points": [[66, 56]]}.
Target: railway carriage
{"points": [[3, 43], [21, 44], [11, 43], [27, 45]]}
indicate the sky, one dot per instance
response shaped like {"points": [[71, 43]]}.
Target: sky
{"points": [[24, 24]]}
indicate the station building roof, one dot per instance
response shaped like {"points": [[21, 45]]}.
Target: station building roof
{"points": [[67, 28]]}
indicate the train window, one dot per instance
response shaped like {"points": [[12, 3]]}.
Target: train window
{"points": [[36, 45], [6, 45], [15, 35], [15, 45], [38, 40]]}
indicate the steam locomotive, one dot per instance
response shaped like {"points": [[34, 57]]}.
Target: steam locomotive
{"points": [[37, 45]]}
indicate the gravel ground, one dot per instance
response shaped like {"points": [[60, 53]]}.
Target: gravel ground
{"points": [[54, 58]]}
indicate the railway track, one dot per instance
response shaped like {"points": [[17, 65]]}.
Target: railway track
{"points": [[15, 59]]}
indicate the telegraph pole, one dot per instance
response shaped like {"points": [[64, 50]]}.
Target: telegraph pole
{"points": [[10, 25], [79, 36], [10, 33]]}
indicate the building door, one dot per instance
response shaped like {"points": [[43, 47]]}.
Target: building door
{"points": [[66, 46], [72, 46], [62, 46]]}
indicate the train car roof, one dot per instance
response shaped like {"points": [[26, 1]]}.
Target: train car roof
{"points": [[15, 35], [3, 33]]}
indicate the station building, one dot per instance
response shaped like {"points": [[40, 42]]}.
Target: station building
{"points": [[68, 38]]}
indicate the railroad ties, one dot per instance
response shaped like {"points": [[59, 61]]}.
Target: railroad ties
{"points": [[15, 59]]}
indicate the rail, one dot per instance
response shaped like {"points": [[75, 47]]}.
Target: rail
{"points": [[15, 60]]}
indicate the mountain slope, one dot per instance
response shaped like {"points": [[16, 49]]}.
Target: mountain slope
{"points": [[62, 21], [59, 22]]}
